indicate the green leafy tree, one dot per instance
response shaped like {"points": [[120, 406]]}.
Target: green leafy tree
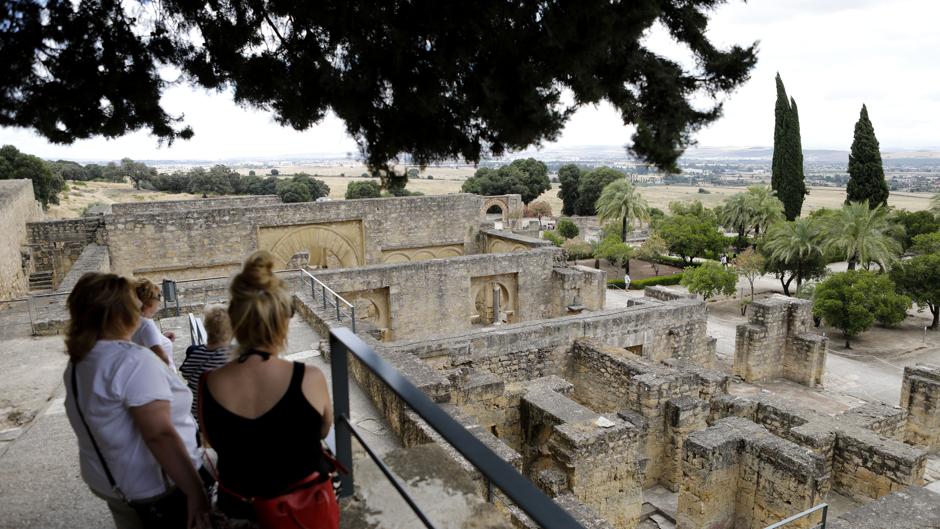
{"points": [[750, 265], [590, 187], [691, 231], [315, 188], [567, 229], [414, 78], [528, 178], [926, 243], [622, 204], [68, 170], [914, 223], [252, 173], [554, 238], [363, 189], [852, 301], [755, 209], [17, 165], [137, 172], [275, 172], [651, 250], [862, 235], [787, 177], [710, 279], [919, 278], [290, 192], [616, 252], [792, 251], [866, 172], [569, 177]]}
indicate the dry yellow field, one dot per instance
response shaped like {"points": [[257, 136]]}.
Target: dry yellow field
{"points": [[82, 194]]}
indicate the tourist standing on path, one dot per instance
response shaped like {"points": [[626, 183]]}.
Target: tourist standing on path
{"points": [[214, 354], [263, 415], [147, 333], [130, 412], [626, 281]]}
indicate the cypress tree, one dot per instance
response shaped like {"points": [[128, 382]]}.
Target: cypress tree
{"points": [[787, 165], [866, 173]]}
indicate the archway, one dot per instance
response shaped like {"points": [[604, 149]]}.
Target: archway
{"points": [[319, 246]]}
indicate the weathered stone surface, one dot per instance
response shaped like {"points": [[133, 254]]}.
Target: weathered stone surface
{"points": [[920, 397], [17, 206], [912, 508]]}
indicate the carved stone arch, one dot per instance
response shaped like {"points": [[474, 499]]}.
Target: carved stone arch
{"points": [[500, 202], [325, 246], [484, 302], [396, 257]]}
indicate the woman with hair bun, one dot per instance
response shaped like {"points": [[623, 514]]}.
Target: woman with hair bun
{"points": [[260, 401], [130, 412]]}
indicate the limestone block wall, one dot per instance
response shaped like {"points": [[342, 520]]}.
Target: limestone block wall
{"points": [[580, 288], [520, 351], [864, 463], [17, 207], [218, 238], [56, 244], [920, 396], [737, 475], [671, 401], [666, 294], [776, 343], [440, 296], [598, 463], [500, 241]]}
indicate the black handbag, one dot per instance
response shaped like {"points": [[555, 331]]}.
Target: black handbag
{"points": [[166, 511]]}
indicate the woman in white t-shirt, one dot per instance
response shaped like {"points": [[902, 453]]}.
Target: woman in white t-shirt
{"points": [[130, 412], [147, 333]]}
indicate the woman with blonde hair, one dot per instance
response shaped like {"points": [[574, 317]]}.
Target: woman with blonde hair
{"points": [[131, 414], [259, 401], [147, 333]]}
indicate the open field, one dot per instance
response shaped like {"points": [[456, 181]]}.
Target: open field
{"points": [[83, 194], [450, 172]]}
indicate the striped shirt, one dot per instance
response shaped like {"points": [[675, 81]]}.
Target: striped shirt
{"points": [[198, 360]]}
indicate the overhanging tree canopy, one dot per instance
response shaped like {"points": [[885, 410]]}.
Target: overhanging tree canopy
{"points": [[435, 79]]}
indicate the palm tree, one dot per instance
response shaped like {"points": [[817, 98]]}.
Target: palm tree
{"points": [[864, 236], [621, 202], [795, 247], [765, 207], [756, 208]]}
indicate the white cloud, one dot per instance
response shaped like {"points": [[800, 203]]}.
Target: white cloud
{"points": [[833, 55]]}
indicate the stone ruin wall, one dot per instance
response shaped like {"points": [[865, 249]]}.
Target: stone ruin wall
{"points": [[17, 204], [176, 206], [920, 398], [55, 245], [441, 296], [776, 343], [214, 241]]}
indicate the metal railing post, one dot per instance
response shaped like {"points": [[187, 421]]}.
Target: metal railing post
{"points": [[353, 317], [324, 297], [339, 373]]}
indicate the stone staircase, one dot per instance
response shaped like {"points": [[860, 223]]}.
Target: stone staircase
{"points": [[40, 281]]}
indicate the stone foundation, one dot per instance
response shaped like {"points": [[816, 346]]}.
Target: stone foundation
{"points": [[17, 205]]}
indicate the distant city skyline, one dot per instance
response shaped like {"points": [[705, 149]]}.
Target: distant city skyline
{"points": [[833, 56]]}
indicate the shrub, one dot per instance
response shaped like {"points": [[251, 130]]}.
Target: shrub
{"points": [[710, 279], [578, 249], [554, 238], [567, 229], [638, 284]]}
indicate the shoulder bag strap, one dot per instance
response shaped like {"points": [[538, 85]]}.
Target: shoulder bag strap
{"points": [[78, 407]]}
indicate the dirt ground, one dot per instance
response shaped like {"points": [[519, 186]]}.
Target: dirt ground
{"points": [[80, 195]]}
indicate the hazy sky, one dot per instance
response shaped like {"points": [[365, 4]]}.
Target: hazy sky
{"points": [[833, 56]]}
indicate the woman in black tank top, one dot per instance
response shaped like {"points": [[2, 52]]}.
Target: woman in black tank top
{"points": [[265, 443]]}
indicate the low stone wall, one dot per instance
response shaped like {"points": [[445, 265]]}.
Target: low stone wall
{"points": [[912, 508], [522, 351], [666, 294], [920, 397], [94, 258], [776, 343], [737, 475], [176, 206], [865, 465], [17, 206], [499, 241]]}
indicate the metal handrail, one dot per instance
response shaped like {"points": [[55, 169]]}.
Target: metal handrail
{"points": [[822, 506], [329, 297], [494, 469]]}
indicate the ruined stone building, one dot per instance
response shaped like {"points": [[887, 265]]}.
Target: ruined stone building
{"points": [[607, 410]]}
